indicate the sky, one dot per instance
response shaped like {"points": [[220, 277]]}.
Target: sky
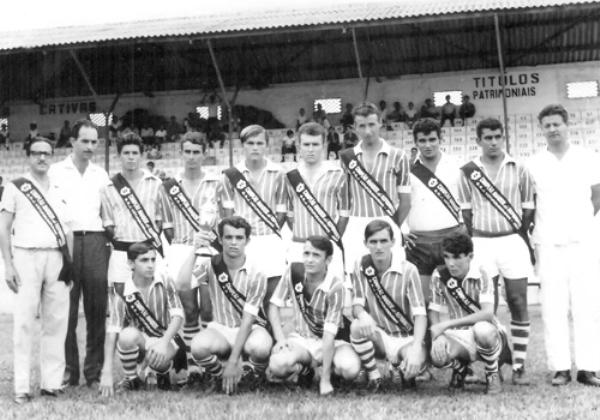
{"points": [[27, 14]]}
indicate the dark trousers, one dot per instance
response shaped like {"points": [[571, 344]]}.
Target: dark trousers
{"points": [[90, 264]]}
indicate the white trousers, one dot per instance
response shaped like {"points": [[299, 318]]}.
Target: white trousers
{"points": [[570, 282], [38, 270]]}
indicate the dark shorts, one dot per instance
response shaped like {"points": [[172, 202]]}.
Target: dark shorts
{"points": [[427, 254]]}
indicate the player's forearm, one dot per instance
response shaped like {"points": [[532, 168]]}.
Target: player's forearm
{"points": [[69, 238], [275, 321], [173, 328], [357, 310], [434, 317], [420, 328], [242, 336], [328, 349], [403, 207], [527, 219], [110, 343], [342, 223], [5, 245]]}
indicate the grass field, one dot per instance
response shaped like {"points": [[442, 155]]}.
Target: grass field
{"points": [[430, 401]]}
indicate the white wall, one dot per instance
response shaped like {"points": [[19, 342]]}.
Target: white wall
{"points": [[543, 85]]}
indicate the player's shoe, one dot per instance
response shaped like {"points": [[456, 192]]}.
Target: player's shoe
{"points": [[306, 377], [251, 379], [471, 377], [129, 384], [494, 384], [457, 381], [519, 377], [163, 381], [374, 385], [362, 378], [211, 384]]}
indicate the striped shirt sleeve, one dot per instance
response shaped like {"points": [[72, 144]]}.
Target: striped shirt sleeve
{"points": [[116, 314], [403, 174], [359, 286], [282, 291], [168, 210], [257, 290], [464, 192], [106, 208], [335, 304], [438, 300], [415, 291], [526, 187], [173, 301]]}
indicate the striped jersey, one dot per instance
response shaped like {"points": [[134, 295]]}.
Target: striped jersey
{"points": [[247, 280], [270, 186], [162, 300], [478, 287], [205, 199], [391, 170], [325, 305], [402, 282], [513, 181], [330, 190], [149, 191]]}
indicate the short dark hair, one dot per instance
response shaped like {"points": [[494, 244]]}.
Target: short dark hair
{"points": [[554, 109], [426, 126], [81, 123], [193, 137], [236, 222], [489, 124], [253, 131], [150, 163], [378, 225], [290, 132], [38, 139], [129, 139], [312, 129], [137, 249], [364, 109], [322, 243], [457, 244]]}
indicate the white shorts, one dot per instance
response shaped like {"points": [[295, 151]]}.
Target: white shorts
{"points": [[268, 253], [354, 238], [467, 340], [392, 345], [119, 269], [229, 333], [313, 345], [175, 255], [505, 255]]}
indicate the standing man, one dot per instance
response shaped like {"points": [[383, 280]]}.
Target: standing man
{"points": [[83, 181], [318, 198], [192, 214], [567, 181], [496, 195], [390, 319], [378, 177], [37, 264], [132, 209], [254, 189]]}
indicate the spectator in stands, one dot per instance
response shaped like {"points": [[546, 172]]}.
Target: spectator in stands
{"points": [[213, 105], [33, 133], [301, 118], [154, 153], [350, 137], [4, 137], [333, 143], [113, 130], [288, 146], [187, 127], [160, 136], [413, 156], [173, 129], [64, 137], [347, 117], [411, 114], [467, 109], [384, 112], [319, 114], [448, 112], [397, 114], [428, 110], [151, 166], [147, 135]]}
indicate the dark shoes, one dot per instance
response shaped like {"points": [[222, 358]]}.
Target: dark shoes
{"points": [[457, 381], [519, 377], [129, 384], [22, 398], [51, 392], [562, 377], [588, 378], [494, 383]]}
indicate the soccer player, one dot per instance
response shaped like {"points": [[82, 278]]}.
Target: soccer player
{"points": [[567, 180], [143, 325], [496, 195], [469, 331], [389, 309], [34, 236], [317, 295], [132, 208], [192, 213], [237, 287], [255, 190], [378, 181], [318, 197]]}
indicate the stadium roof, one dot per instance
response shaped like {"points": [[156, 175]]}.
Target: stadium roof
{"points": [[261, 22]]}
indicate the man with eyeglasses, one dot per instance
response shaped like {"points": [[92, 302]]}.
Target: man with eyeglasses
{"points": [[83, 180]]}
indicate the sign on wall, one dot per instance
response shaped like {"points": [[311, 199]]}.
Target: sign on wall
{"points": [[68, 108], [515, 85]]}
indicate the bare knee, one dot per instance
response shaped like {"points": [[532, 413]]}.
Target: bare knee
{"points": [[201, 346], [485, 334], [281, 364], [346, 363], [440, 355], [354, 330], [129, 338], [258, 345]]}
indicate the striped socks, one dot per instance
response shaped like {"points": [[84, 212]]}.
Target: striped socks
{"points": [[189, 332], [490, 357], [129, 361], [366, 352], [258, 367], [211, 365], [519, 332]]}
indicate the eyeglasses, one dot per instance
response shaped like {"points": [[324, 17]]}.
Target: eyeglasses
{"points": [[35, 153]]}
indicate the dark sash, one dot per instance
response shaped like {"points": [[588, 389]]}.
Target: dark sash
{"points": [[250, 196], [316, 210], [390, 308], [437, 187], [137, 211], [487, 188], [231, 293], [297, 276], [150, 325], [368, 183], [46, 212], [457, 292]]}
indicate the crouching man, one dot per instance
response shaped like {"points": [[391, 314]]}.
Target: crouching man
{"points": [[142, 326], [470, 330], [389, 310], [318, 337]]}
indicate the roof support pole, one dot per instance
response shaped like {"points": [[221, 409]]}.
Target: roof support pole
{"points": [[502, 79], [224, 93], [357, 56]]}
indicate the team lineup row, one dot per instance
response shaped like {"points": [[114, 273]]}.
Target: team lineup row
{"points": [[493, 199]]}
